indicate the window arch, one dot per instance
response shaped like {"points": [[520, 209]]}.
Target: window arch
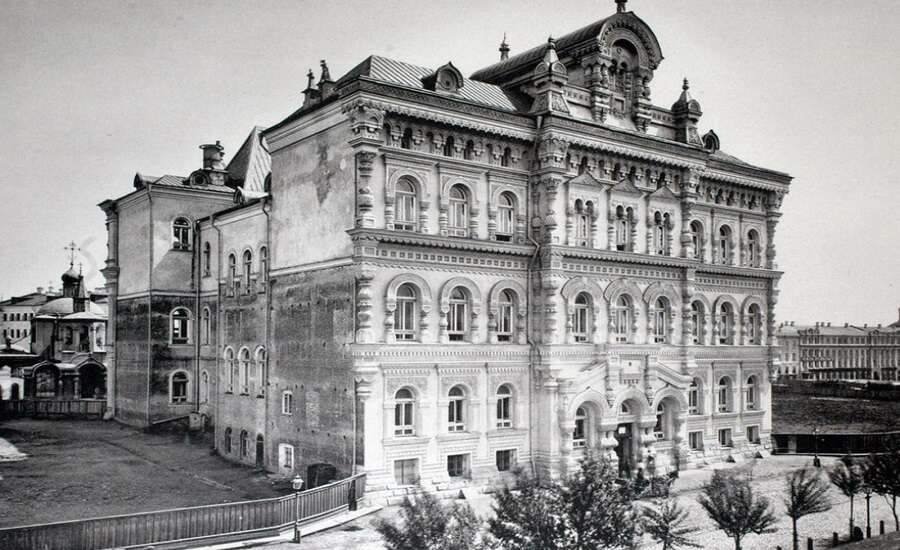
{"points": [[263, 265], [624, 219], [405, 211], [244, 371], [725, 245], [207, 259], [506, 159], [726, 323], [582, 318], [179, 387], [406, 315], [469, 151], [623, 317], [754, 325], [723, 395], [663, 429], [230, 368], [579, 434], [506, 316], [232, 273], [695, 397], [458, 214], [456, 410], [404, 409], [181, 234], [248, 270], [458, 316], [506, 217], [227, 440], [753, 252], [449, 145], [697, 239], [752, 391], [204, 387], [661, 319], [504, 406], [205, 326], [661, 225], [698, 323], [406, 139], [245, 444], [261, 360], [180, 326], [584, 214]]}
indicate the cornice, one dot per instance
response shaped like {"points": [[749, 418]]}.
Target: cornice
{"points": [[435, 241], [432, 160], [432, 354]]}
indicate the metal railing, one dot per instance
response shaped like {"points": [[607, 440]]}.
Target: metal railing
{"points": [[217, 522], [53, 408]]}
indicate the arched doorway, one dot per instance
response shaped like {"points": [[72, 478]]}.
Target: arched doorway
{"points": [[14, 393], [628, 436], [260, 452], [92, 378], [46, 381]]}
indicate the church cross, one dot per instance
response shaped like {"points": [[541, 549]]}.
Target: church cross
{"points": [[72, 248]]}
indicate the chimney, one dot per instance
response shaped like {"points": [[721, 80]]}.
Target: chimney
{"points": [[846, 325], [40, 290], [829, 323], [879, 325], [213, 155], [865, 325], [792, 323]]}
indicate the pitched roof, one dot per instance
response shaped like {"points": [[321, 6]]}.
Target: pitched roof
{"points": [[529, 58], [626, 186], [32, 299], [141, 181], [251, 164], [410, 76], [585, 178]]}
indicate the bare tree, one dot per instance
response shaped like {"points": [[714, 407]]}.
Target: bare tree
{"points": [[848, 477], [883, 476], [729, 500], [806, 494], [429, 525], [665, 525]]}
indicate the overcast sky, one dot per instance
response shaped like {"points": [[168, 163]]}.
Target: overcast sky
{"points": [[93, 92]]}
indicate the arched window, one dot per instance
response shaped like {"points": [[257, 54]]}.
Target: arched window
{"points": [[695, 397], [661, 429], [661, 320], [753, 248], [469, 151], [205, 326], [754, 319], [506, 316], [244, 372], [458, 216], [229, 367], [725, 250], [581, 318], [248, 269], [726, 324], [180, 326], [583, 166], [622, 318], [504, 406], [723, 397], [582, 223], [404, 422], [506, 159], [207, 259], [456, 410], [181, 234], [661, 233], [263, 265], [178, 391], [204, 387], [506, 217], [698, 320], [458, 316], [227, 440], [405, 317], [245, 444], [752, 390], [697, 239], [623, 221], [579, 435], [406, 139], [261, 379], [232, 273], [406, 215], [449, 145]]}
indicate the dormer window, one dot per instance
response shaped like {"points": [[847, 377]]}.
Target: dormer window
{"points": [[447, 79]]}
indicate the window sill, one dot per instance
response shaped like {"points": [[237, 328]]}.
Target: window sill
{"points": [[174, 249], [458, 436], [404, 440]]}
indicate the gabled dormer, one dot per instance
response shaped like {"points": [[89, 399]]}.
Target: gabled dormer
{"points": [[446, 80]]}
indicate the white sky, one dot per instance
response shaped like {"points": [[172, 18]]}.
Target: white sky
{"points": [[93, 92]]}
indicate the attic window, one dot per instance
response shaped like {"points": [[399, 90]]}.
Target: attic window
{"points": [[446, 79]]}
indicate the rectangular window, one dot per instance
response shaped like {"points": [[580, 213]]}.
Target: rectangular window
{"points": [[503, 414], [406, 214], [455, 422], [406, 472], [405, 328], [287, 403], [695, 439], [580, 322], [505, 224], [403, 419], [725, 437], [456, 325], [505, 323], [753, 434], [286, 456], [694, 400], [456, 465], [505, 460], [659, 327]]}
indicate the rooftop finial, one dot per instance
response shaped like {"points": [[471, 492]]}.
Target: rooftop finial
{"points": [[551, 43], [620, 6], [72, 248], [326, 75], [310, 79], [504, 49], [685, 86]]}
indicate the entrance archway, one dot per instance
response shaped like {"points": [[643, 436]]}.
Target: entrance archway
{"points": [[92, 378], [628, 436], [46, 381]]}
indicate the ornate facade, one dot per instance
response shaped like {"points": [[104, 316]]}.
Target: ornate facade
{"points": [[450, 277]]}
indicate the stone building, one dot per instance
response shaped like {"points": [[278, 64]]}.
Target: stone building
{"points": [[444, 278], [789, 365], [16, 314], [849, 352]]}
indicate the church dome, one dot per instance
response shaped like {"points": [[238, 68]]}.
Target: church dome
{"points": [[71, 275]]}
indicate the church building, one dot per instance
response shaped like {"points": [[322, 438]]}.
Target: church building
{"points": [[438, 279]]}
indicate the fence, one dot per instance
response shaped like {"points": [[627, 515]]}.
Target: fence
{"points": [[853, 443], [171, 528], [53, 408], [882, 391]]}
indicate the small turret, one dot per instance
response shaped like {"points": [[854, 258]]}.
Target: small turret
{"points": [[310, 94], [549, 81], [326, 85], [687, 113]]}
